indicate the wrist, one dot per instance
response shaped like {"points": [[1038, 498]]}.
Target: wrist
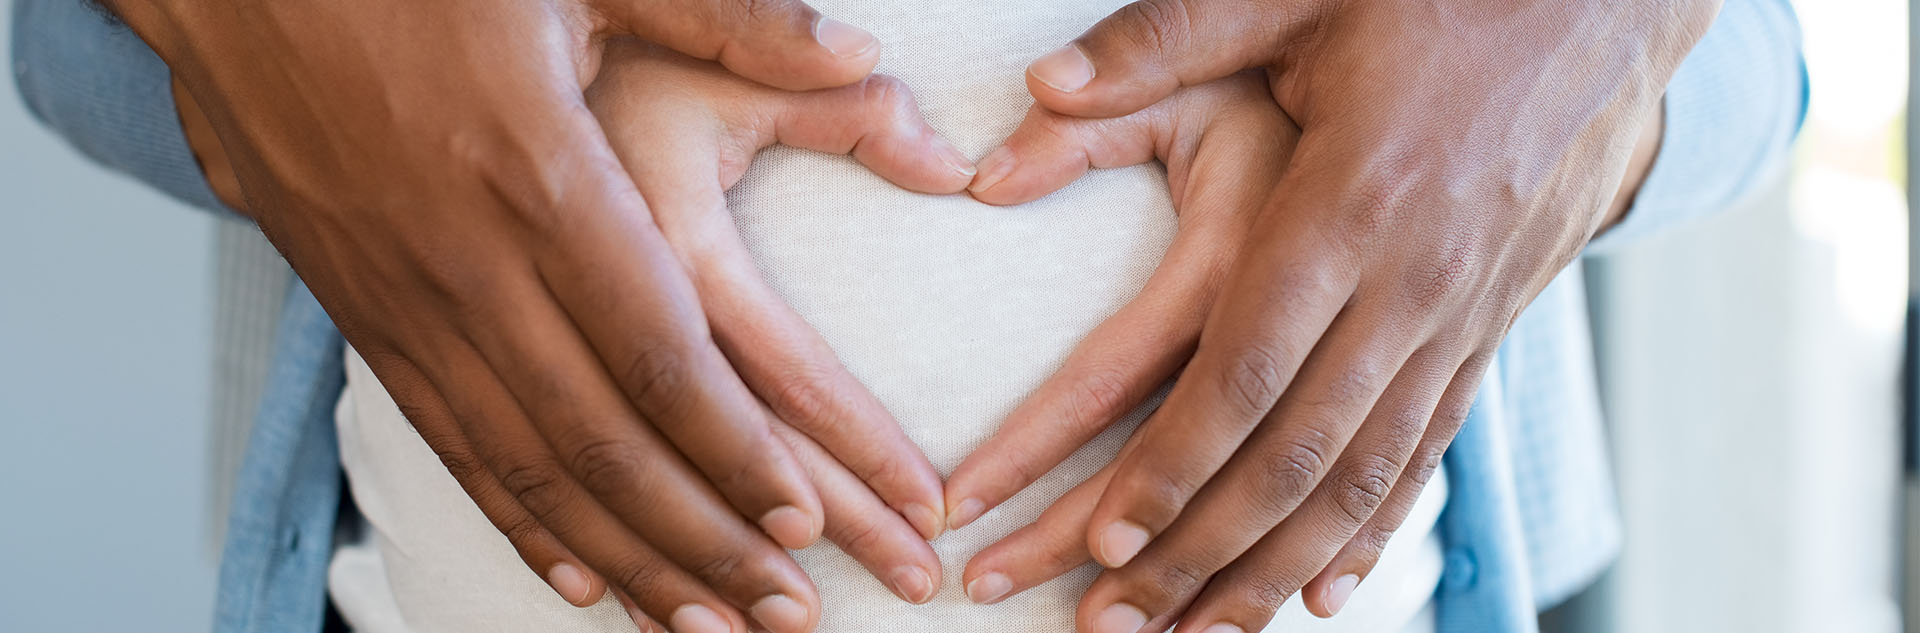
{"points": [[153, 21], [208, 153], [1645, 150]]}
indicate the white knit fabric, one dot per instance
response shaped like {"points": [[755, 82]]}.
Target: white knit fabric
{"points": [[951, 311]]}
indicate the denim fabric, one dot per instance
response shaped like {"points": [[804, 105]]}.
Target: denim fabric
{"points": [[1530, 518], [85, 75]]}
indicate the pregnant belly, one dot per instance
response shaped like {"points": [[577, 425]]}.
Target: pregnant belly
{"points": [[950, 311]]}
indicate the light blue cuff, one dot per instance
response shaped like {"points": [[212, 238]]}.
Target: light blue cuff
{"points": [[1732, 111], [95, 82]]}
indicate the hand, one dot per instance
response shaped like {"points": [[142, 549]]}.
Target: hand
{"points": [[1225, 144], [652, 100], [433, 173], [1453, 159]]}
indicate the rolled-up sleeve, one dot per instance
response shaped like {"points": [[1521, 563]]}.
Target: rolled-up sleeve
{"points": [[90, 79], [1732, 111]]}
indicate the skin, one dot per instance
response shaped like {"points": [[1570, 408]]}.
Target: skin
{"points": [[1491, 204], [565, 323], [652, 100], [1338, 351], [1225, 144]]}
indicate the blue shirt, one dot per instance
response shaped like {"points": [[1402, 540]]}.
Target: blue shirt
{"points": [[1530, 518]]}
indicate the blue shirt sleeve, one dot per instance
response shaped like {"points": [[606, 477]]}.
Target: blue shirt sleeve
{"points": [[1732, 112], [92, 80]]}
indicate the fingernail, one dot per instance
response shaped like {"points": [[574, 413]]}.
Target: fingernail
{"points": [[1120, 617], [842, 39], [951, 155], [695, 618], [570, 583], [925, 521], [788, 526], [779, 613], [1222, 627], [912, 584], [967, 510], [993, 169], [641, 620], [1120, 542], [1065, 70], [989, 589], [1339, 592]]}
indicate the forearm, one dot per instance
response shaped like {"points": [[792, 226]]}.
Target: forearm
{"points": [[1638, 167], [207, 152], [1730, 116]]}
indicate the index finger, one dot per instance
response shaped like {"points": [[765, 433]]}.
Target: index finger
{"points": [[1150, 48], [782, 43]]}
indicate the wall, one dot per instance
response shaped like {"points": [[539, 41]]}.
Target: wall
{"points": [[106, 317]]}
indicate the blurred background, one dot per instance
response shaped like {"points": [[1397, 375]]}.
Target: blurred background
{"points": [[106, 335], [1751, 368], [1751, 372]]}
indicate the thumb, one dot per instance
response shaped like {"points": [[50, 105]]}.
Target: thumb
{"points": [[1150, 48], [1049, 150], [781, 43], [877, 121]]}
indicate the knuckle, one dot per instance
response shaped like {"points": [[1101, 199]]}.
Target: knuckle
{"points": [[877, 472], [1021, 463], [1162, 491], [719, 564], [1156, 25], [657, 377], [1175, 578], [744, 462], [887, 96], [1370, 542], [1426, 462], [807, 398], [1451, 415], [524, 533], [1288, 473], [608, 465], [1367, 209], [1443, 279], [1253, 378], [1370, 210], [1065, 554], [858, 536], [1351, 388], [746, 10], [459, 462], [1360, 489], [639, 574], [448, 274], [1405, 426], [1097, 398], [1309, 279], [543, 189], [1271, 590], [539, 486]]}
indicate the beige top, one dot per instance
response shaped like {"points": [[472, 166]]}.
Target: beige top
{"points": [[951, 311]]}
